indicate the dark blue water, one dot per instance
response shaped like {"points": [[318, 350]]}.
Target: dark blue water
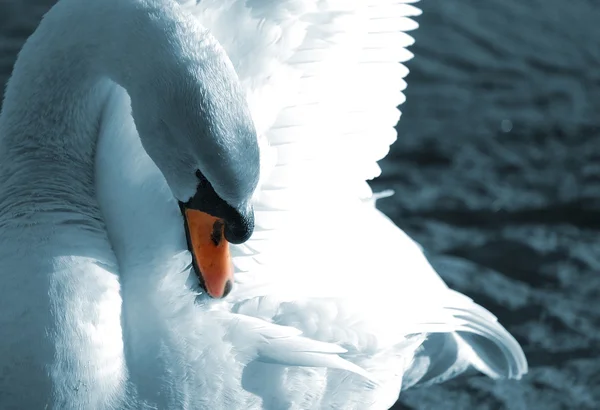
{"points": [[497, 174]]}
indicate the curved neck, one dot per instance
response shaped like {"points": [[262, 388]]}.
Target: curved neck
{"points": [[54, 100], [65, 303], [77, 47]]}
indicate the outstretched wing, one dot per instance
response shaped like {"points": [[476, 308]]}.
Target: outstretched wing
{"points": [[324, 79]]}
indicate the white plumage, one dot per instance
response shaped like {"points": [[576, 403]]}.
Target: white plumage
{"points": [[333, 307]]}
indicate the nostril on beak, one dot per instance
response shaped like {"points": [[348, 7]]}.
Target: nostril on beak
{"points": [[228, 288]]}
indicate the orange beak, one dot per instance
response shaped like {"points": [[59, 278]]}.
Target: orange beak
{"points": [[210, 252]]}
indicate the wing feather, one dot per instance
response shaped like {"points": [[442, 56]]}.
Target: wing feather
{"points": [[324, 79]]}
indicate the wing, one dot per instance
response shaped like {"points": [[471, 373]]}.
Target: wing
{"points": [[324, 80]]}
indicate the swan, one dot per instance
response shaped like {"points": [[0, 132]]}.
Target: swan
{"points": [[136, 131]]}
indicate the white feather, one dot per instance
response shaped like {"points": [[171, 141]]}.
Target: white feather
{"points": [[323, 80], [333, 307]]}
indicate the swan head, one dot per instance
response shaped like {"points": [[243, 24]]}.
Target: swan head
{"points": [[196, 126]]}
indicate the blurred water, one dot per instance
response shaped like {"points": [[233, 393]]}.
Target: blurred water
{"points": [[497, 174]]}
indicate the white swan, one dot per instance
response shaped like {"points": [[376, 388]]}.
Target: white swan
{"points": [[333, 306]]}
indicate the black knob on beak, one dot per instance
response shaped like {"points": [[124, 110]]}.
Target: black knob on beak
{"points": [[239, 221], [239, 226]]}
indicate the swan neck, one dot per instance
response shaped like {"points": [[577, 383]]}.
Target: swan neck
{"points": [[64, 72], [54, 101]]}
